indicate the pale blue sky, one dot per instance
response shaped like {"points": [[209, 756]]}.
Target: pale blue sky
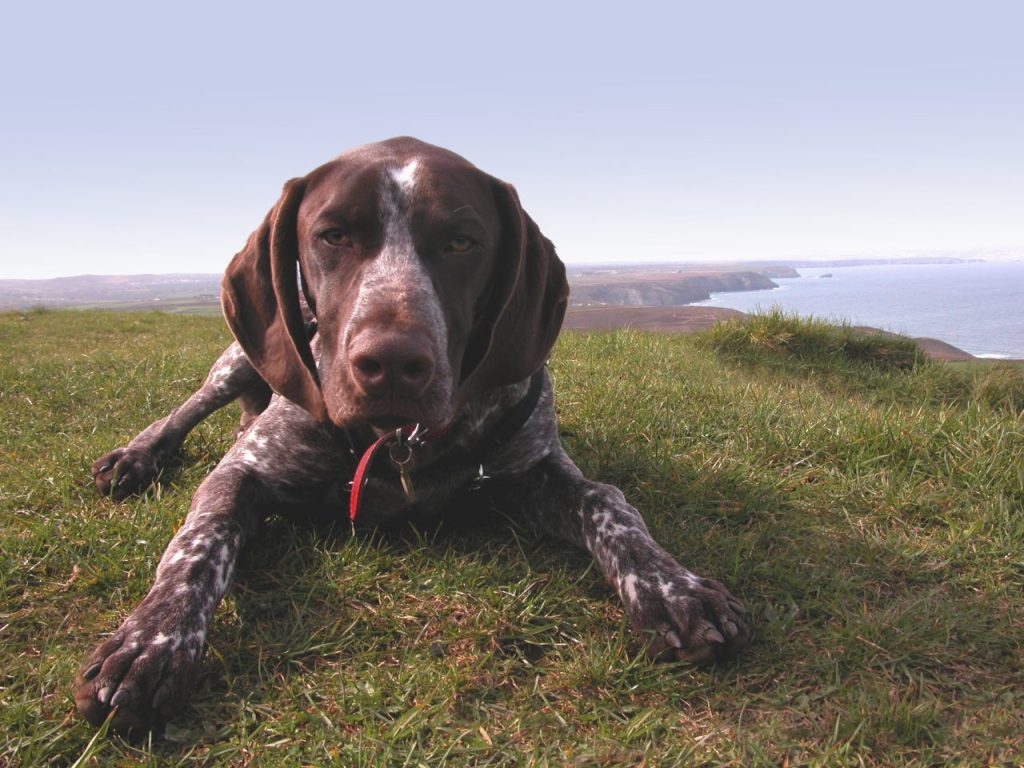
{"points": [[145, 138]]}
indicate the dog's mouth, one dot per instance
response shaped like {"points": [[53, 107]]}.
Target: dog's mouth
{"points": [[348, 409], [384, 416], [383, 424]]}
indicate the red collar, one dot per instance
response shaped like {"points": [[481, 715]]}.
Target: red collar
{"points": [[400, 446], [404, 440]]}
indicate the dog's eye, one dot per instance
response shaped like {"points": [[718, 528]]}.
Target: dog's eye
{"points": [[459, 244], [338, 238]]}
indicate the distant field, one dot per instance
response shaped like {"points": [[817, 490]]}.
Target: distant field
{"points": [[864, 501], [202, 307]]}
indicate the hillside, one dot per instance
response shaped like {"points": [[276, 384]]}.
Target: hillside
{"points": [[669, 319], [863, 501], [692, 319]]}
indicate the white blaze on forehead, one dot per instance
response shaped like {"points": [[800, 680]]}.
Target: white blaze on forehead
{"points": [[405, 177], [396, 192]]}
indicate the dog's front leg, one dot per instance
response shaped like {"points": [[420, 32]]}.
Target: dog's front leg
{"points": [[682, 615], [146, 669], [133, 468]]}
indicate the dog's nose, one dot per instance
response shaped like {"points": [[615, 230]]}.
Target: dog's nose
{"points": [[386, 363]]}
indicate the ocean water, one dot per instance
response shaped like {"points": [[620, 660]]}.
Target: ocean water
{"points": [[978, 306]]}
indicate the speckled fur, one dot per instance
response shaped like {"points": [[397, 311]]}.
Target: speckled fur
{"points": [[287, 462]]}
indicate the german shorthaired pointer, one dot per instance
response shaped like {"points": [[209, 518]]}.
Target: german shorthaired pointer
{"points": [[401, 304]]}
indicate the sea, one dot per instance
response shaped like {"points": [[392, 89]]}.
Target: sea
{"points": [[976, 306]]}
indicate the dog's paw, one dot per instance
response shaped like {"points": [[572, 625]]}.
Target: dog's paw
{"points": [[683, 616], [143, 674], [125, 471]]}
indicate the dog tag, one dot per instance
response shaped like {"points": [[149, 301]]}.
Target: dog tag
{"points": [[401, 454], [406, 477]]}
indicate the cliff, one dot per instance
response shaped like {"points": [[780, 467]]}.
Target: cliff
{"points": [[668, 292]]}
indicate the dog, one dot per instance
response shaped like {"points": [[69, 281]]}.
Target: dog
{"points": [[393, 314]]}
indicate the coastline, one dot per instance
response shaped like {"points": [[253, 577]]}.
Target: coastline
{"points": [[972, 306]]}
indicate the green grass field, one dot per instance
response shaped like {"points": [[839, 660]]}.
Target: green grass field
{"points": [[864, 502]]}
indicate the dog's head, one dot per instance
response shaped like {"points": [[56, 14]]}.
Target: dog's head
{"points": [[429, 282]]}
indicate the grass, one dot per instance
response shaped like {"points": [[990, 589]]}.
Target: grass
{"points": [[865, 503]]}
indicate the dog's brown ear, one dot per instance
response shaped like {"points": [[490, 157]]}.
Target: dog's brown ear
{"points": [[523, 307], [260, 299]]}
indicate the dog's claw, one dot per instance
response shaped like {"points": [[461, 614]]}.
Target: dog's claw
{"points": [[125, 471], [144, 681], [162, 694], [686, 617]]}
